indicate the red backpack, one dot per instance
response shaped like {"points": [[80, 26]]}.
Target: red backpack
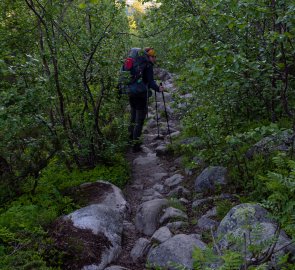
{"points": [[130, 78]]}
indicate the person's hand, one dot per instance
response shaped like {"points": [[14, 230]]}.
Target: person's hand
{"points": [[161, 88]]}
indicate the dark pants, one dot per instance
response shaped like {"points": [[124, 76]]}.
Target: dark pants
{"points": [[138, 114]]}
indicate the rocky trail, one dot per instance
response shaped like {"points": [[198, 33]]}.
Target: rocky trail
{"points": [[164, 212], [156, 179]]}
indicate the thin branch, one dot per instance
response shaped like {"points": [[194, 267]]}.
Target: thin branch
{"points": [[214, 243]]}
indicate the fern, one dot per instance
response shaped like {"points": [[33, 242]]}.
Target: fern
{"points": [[199, 259], [232, 261], [260, 267], [280, 184]]}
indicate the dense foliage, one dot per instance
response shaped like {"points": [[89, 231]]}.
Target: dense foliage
{"points": [[236, 59], [59, 113], [58, 78]]}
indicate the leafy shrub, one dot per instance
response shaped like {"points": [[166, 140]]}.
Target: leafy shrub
{"points": [[280, 185], [223, 208], [23, 223]]}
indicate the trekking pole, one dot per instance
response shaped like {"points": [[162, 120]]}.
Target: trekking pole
{"points": [[147, 103], [166, 115], [157, 115]]}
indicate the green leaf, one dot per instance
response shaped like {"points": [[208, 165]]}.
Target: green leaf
{"points": [[82, 5]]}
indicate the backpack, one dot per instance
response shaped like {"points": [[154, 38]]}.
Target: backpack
{"points": [[130, 77]]}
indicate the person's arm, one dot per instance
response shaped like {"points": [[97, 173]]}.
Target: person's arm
{"points": [[149, 78]]}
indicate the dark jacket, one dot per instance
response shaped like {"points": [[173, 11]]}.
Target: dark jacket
{"points": [[148, 77]]}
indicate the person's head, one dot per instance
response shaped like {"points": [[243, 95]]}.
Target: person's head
{"points": [[151, 54]]}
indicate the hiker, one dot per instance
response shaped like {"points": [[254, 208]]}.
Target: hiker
{"points": [[139, 102]]}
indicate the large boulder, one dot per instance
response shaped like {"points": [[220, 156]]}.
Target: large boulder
{"points": [[147, 216], [252, 223], [281, 141], [175, 251], [210, 178], [90, 237], [102, 192]]}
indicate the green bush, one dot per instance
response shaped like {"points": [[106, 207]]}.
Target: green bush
{"points": [[23, 223]]}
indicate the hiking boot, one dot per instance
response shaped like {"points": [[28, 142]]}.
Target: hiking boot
{"points": [[136, 148]]}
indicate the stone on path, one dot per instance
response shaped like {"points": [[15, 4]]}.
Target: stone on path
{"points": [[149, 161], [161, 235], [152, 123], [160, 188], [173, 213], [157, 177], [140, 249], [177, 249], [174, 180], [147, 216], [162, 150], [155, 195], [176, 225], [179, 192]]}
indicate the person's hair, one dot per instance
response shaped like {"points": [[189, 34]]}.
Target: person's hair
{"points": [[149, 51]]}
